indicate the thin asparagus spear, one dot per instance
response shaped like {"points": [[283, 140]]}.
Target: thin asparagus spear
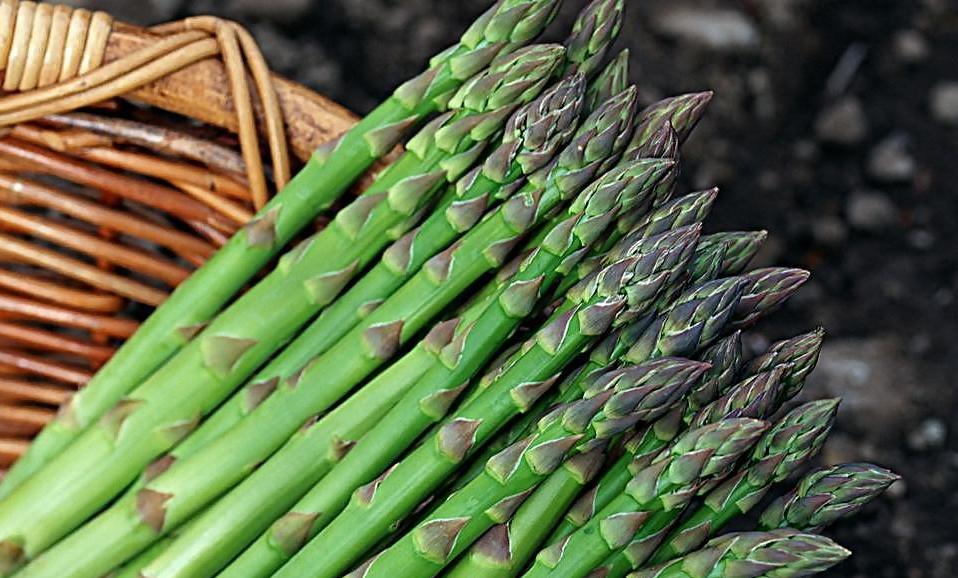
{"points": [[778, 553], [742, 247], [445, 148], [504, 27], [591, 308], [801, 352], [595, 29], [505, 549], [614, 403], [652, 498], [791, 442], [612, 80], [246, 511], [826, 495], [533, 135]]}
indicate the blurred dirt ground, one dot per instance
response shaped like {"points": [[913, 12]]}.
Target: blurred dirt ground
{"points": [[835, 126]]}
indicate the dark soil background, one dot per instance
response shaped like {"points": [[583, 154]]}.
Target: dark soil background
{"points": [[835, 126]]}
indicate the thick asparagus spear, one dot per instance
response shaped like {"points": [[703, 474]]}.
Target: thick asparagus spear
{"points": [[590, 309], [652, 498], [533, 135], [256, 502], [827, 494], [778, 553], [791, 442], [614, 403], [228, 351], [505, 549], [505, 26]]}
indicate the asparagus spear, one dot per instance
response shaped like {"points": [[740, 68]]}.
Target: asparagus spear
{"points": [[505, 549], [624, 287], [652, 498], [827, 494], [801, 352], [612, 80], [791, 442], [614, 403], [533, 136], [742, 247], [775, 554], [229, 350], [256, 502], [595, 29], [504, 27], [767, 289]]}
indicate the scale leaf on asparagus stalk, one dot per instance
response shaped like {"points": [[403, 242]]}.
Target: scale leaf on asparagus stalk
{"points": [[332, 169], [224, 356]]}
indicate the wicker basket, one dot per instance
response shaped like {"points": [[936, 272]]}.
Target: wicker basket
{"points": [[127, 156]]}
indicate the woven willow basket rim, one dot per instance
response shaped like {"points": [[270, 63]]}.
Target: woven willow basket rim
{"points": [[127, 156]]}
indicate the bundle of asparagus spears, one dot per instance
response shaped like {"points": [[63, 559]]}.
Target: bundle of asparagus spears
{"points": [[515, 354]]}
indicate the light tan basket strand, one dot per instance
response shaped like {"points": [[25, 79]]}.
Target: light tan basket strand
{"points": [[43, 312], [40, 33], [55, 293], [17, 59], [8, 20], [53, 55], [226, 207], [39, 339], [44, 367], [16, 190], [74, 44], [275, 130], [72, 238], [76, 269], [17, 390]]}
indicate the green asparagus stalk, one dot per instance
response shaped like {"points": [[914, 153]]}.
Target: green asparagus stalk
{"points": [[755, 396], [775, 554], [652, 498], [683, 112], [256, 503], [504, 27], [505, 549], [826, 495], [619, 399], [591, 308], [791, 442], [445, 148], [612, 80], [533, 135], [800, 352], [725, 359], [595, 29]]}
